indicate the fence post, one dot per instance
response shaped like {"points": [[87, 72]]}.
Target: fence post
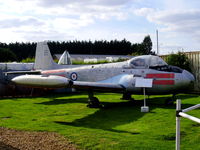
{"points": [[178, 118]]}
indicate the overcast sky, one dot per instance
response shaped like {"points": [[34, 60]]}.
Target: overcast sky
{"points": [[178, 21]]}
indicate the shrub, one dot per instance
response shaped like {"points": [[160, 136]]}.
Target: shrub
{"points": [[180, 60], [28, 60]]}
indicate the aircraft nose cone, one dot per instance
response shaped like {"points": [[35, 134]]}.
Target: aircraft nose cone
{"points": [[189, 77]]}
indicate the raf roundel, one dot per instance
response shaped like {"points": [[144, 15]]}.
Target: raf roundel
{"points": [[74, 76]]}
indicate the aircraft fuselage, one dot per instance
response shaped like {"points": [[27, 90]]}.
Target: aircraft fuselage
{"points": [[163, 81]]}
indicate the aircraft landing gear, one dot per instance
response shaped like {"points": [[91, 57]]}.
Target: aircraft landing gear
{"points": [[126, 96], [170, 101], [93, 102]]}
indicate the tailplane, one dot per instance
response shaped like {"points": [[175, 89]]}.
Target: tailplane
{"points": [[43, 58], [65, 59]]}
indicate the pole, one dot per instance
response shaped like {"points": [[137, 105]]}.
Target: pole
{"points": [[144, 97], [144, 108], [157, 41], [178, 118]]}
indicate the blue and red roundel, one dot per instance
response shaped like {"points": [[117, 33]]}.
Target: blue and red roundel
{"points": [[74, 76]]}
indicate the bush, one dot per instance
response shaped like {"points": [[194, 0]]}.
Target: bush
{"points": [[28, 60], [180, 60]]}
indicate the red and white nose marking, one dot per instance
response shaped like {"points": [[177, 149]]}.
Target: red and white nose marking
{"points": [[162, 78]]}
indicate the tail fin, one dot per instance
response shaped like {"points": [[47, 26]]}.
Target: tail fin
{"points": [[65, 59], [43, 58]]}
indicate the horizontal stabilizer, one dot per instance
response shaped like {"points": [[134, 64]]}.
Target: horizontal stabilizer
{"points": [[65, 59]]}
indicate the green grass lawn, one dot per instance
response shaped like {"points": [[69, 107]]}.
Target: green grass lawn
{"points": [[120, 125]]}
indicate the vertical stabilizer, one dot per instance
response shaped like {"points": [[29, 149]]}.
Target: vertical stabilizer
{"points": [[43, 58], [65, 59]]}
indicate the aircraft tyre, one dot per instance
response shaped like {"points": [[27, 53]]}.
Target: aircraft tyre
{"points": [[127, 96], [93, 102]]}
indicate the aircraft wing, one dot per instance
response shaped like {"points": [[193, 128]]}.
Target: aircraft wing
{"points": [[98, 86]]}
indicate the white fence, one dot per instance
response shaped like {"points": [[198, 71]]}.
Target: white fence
{"points": [[182, 113]]}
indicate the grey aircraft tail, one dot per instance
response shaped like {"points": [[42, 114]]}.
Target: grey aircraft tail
{"points": [[43, 58]]}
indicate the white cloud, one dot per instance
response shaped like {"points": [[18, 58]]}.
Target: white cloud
{"points": [[106, 3], [19, 22], [22, 20], [40, 35], [94, 8], [177, 20], [62, 17], [71, 23], [178, 27], [186, 22], [74, 11], [144, 11], [8, 35], [176, 16]]}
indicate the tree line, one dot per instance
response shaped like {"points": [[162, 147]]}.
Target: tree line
{"points": [[19, 51]]}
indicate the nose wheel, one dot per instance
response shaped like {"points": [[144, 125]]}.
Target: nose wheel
{"points": [[126, 96]]}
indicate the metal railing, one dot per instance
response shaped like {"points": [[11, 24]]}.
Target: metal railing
{"points": [[181, 113]]}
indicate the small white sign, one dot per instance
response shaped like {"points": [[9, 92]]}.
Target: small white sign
{"points": [[141, 82], [145, 109]]}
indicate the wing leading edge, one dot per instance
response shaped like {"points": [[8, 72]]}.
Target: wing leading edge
{"points": [[98, 86]]}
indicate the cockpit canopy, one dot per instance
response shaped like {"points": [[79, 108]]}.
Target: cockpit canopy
{"points": [[146, 61]]}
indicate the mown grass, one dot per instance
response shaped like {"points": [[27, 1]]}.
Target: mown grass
{"points": [[119, 125]]}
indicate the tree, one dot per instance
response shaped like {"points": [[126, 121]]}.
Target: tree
{"points": [[113, 47], [7, 55], [180, 60], [147, 45]]}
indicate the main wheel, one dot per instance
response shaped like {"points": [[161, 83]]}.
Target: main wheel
{"points": [[94, 103]]}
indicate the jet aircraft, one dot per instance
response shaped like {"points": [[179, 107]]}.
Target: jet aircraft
{"points": [[117, 77]]}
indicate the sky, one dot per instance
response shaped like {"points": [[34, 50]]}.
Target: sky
{"points": [[177, 21]]}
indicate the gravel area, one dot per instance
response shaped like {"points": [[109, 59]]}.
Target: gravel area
{"points": [[26, 140]]}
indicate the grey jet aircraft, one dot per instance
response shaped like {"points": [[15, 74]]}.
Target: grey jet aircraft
{"points": [[112, 77]]}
